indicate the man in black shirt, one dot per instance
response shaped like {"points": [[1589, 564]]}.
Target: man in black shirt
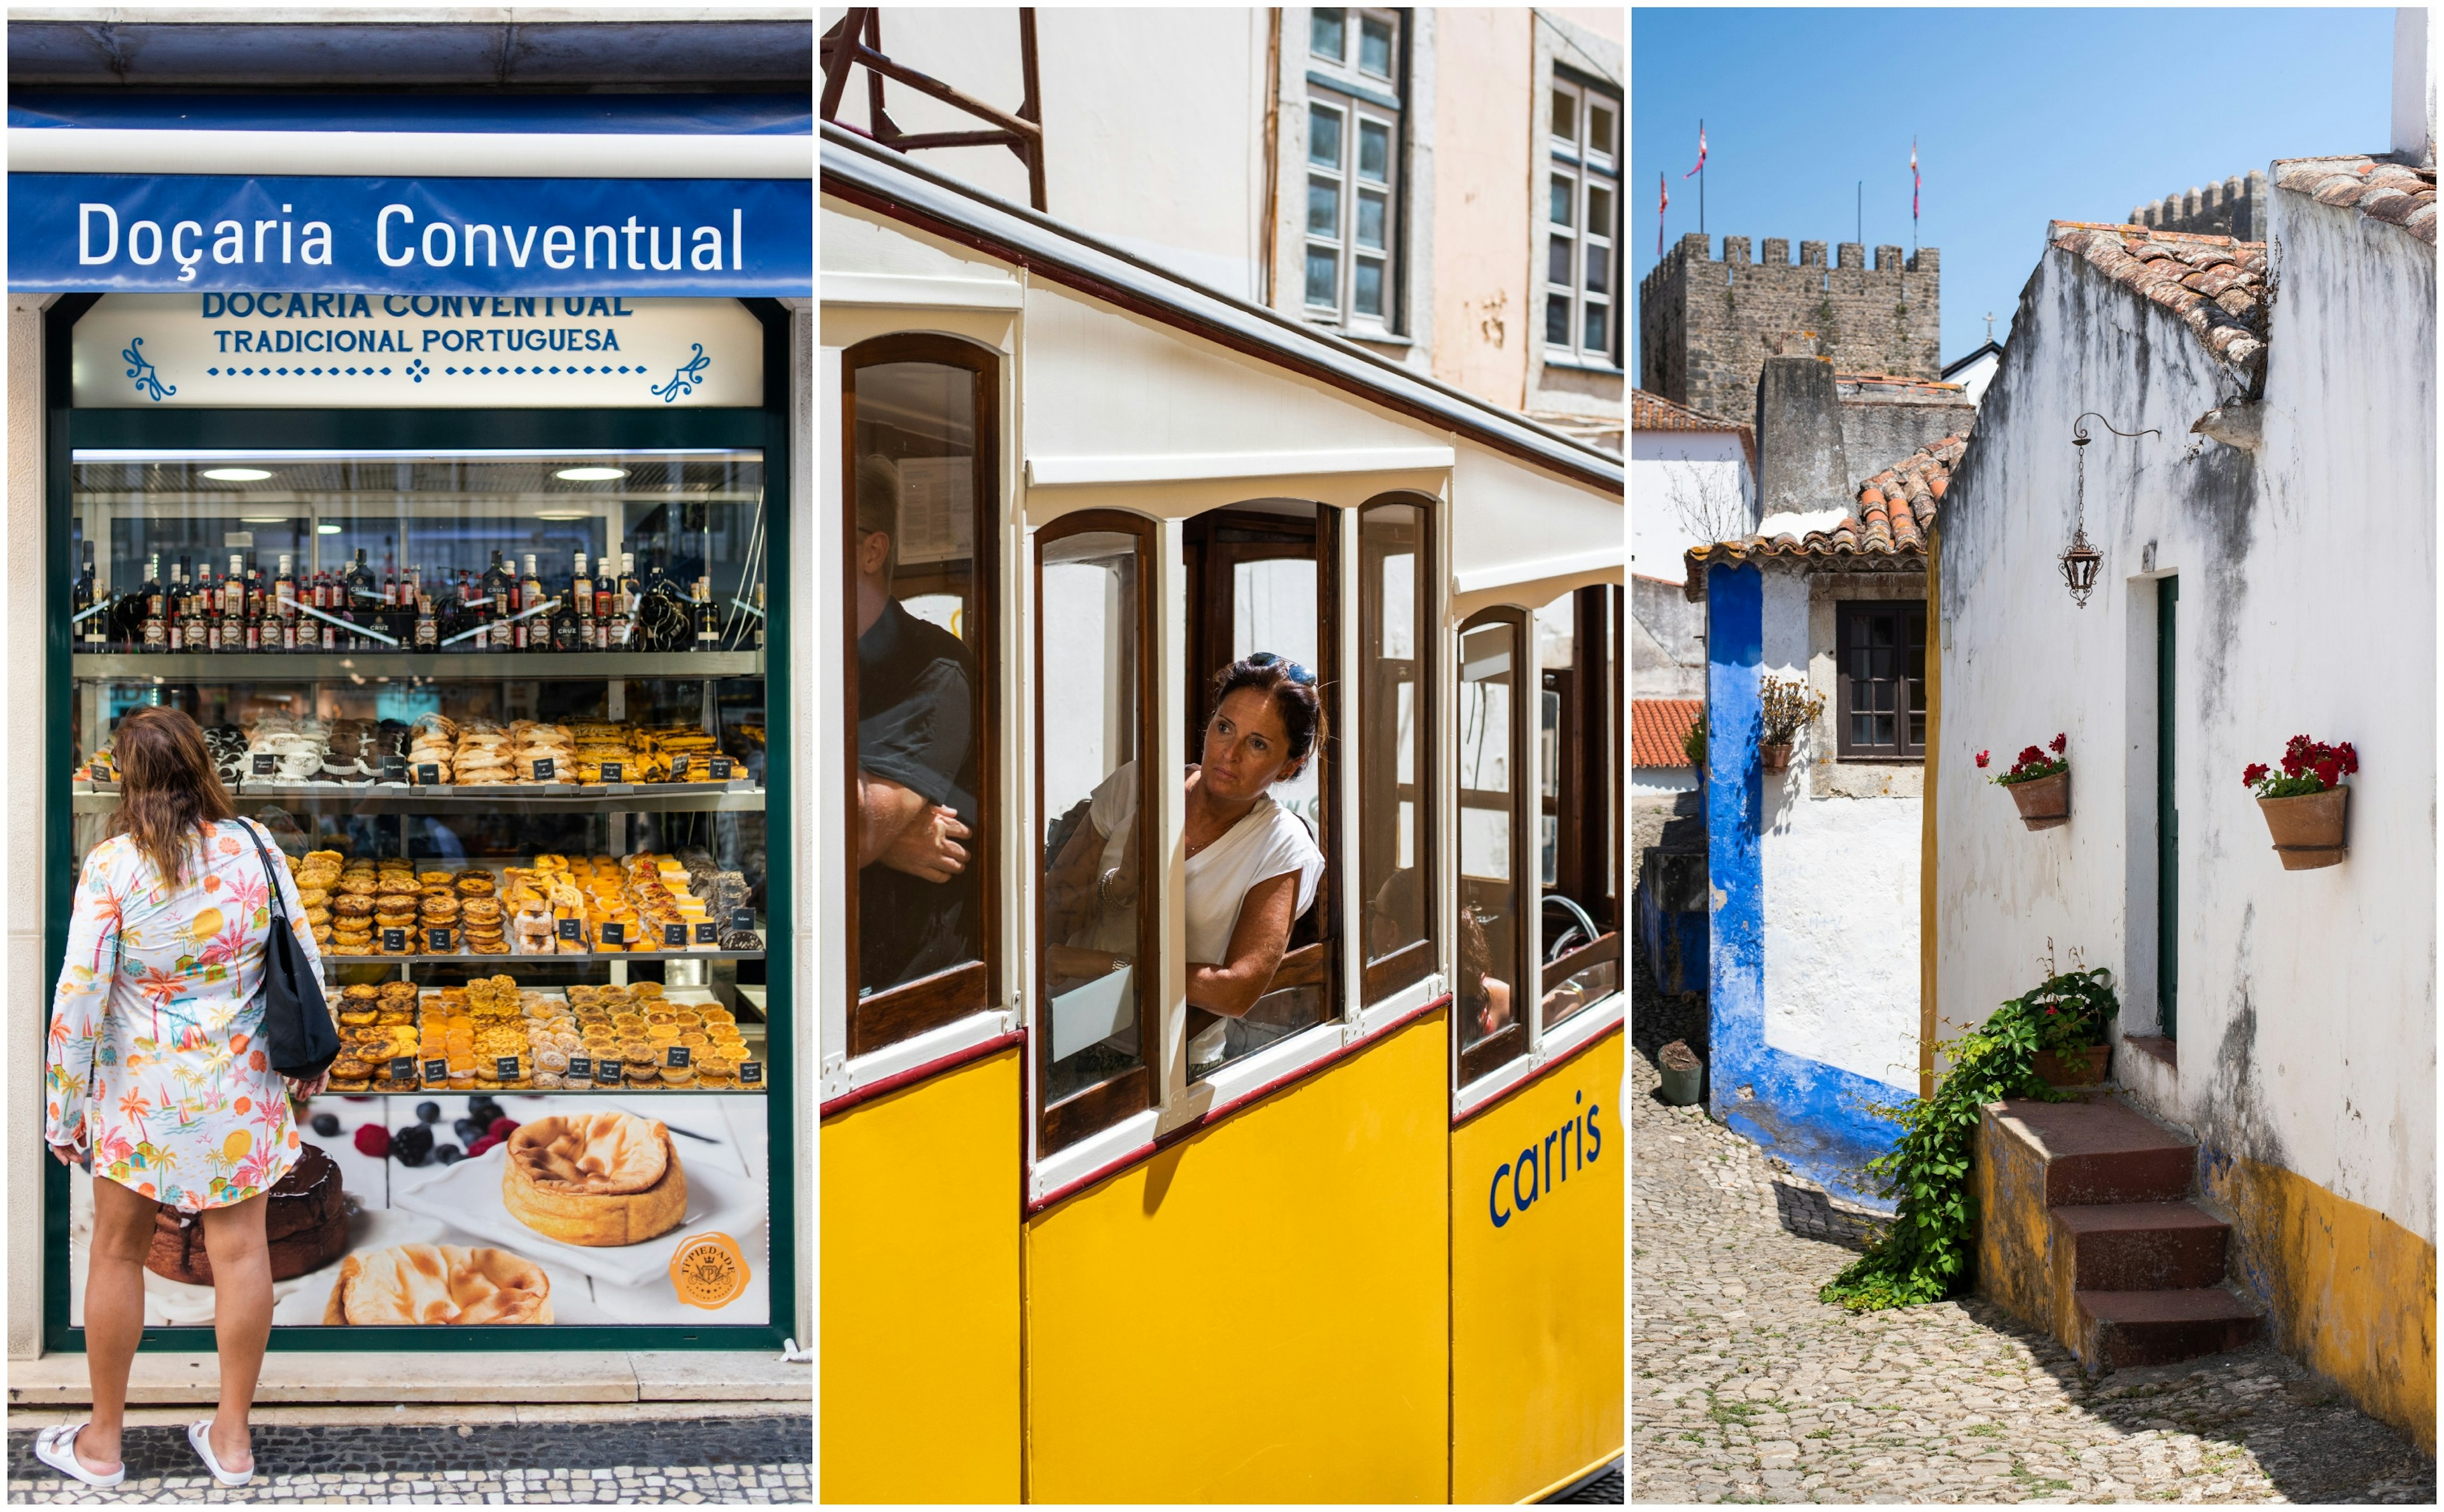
{"points": [[916, 765]]}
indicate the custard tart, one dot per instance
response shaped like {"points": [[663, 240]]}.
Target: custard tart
{"points": [[438, 1283], [594, 1178]]}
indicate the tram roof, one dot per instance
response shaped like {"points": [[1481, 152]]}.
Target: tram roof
{"points": [[858, 169]]}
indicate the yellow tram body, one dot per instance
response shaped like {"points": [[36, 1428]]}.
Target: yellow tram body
{"points": [[1280, 1280]]}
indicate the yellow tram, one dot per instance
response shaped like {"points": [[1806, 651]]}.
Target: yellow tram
{"points": [[1083, 1240]]}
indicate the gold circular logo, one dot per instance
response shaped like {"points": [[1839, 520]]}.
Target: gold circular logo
{"points": [[708, 1270]]}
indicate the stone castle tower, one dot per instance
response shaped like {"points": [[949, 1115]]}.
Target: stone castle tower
{"points": [[1706, 327]]}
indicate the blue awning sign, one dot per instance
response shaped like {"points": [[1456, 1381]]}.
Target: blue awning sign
{"points": [[185, 233]]}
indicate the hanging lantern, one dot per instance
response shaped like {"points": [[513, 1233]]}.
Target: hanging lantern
{"points": [[2079, 560]]}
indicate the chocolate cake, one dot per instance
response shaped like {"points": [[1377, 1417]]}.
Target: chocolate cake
{"points": [[306, 1226]]}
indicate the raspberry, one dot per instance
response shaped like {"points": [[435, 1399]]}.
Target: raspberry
{"points": [[373, 1139], [502, 1127]]}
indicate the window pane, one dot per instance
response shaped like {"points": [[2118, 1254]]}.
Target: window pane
{"points": [[1488, 968], [1556, 261], [1599, 209], [1599, 128], [1565, 200], [1566, 116], [1370, 220], [1549, 743], [1548, 832], [917, 721], [1323, 207], [1391, 806], [1323, 277], [1917, 731], [1375, 46], [1595, 338], [1599, 269], [1374, 151], [1328, 33], [1861, 732], [1088, 724], [1274, 608], [1368, 294], [1324, 137], [1557, 319]]}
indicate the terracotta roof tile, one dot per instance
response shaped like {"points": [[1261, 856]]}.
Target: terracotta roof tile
{"points": [[2214, 284], [1657, 728], [1886, 530], [2395, 193], [1653, 412]]}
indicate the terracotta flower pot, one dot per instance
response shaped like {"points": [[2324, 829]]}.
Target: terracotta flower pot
{"points": [[2044, 803], [2084, 1070], [2308, 829], [1777, 755]]}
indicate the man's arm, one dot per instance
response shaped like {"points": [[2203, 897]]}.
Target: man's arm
{"points": [[899, 829]]}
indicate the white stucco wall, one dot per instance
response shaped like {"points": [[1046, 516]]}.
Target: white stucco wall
{"points": [[2305, 999], [1841, 879], [1661, 462]]}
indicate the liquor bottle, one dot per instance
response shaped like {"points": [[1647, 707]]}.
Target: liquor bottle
{"points": [[563, 618], [759, 617], [630, 599], [580, 592], [708, 625], [80, 599], [174, 606], [155, 635], [233, 606], [428, 633], [284, 594], [500, 588]]}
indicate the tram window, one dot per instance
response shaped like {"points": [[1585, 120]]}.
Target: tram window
{"points": [[1098, 908], [1576, 661], [919, 538], [1259, 586], [1491, 845], [1395, 877]]}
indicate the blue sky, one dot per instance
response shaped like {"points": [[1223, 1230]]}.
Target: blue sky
{"points": [[2021, 117]]}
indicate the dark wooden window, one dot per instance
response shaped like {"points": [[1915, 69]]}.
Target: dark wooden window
{"points": [[1882, 704]]}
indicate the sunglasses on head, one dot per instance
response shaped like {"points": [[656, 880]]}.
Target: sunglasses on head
{"points": [[1292, 669]]}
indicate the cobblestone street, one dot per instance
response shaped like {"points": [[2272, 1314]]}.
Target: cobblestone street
{"points": [[1745, 1388]]}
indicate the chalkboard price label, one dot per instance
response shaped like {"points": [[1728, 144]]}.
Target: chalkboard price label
{"points": [[750, 1072], [708, 933], [394, 769], [543, 769], [678, 768], [437, 940], [580, 1069], [719, 767], [266, 766], [572, 928], [505, 1067], [436, 1070], [428, 774], [742, 919], [606, 1073], [676, 1058], [615, 934], [394, 941], [402, 1068], [614, 772], [675, 938]]}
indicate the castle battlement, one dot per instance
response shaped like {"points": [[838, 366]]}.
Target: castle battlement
{"points": [[1707, 323]]}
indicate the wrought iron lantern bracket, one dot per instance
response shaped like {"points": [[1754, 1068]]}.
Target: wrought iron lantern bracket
{"points": [[2080, 559]]}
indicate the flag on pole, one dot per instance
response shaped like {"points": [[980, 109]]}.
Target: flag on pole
{"points": [[1701, 152], [1913, 183], [1662, 183]]}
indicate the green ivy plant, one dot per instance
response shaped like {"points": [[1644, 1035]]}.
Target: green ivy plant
{"points": [[1925, 1255]]}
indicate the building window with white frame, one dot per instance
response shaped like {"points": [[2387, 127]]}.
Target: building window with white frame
{"points": [[1353, 167], [1581, 275]]}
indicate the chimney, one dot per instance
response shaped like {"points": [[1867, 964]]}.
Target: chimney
{"points": [[1801, 465], [2414, 89]]}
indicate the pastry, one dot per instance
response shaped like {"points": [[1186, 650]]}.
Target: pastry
{"points": [[439, 1283], [433, 879], [305, 1222], [594, 1178]]}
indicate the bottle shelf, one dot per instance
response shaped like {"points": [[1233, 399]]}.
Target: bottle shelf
{"points": [[395, 798], [367, 665], [527, 962]]}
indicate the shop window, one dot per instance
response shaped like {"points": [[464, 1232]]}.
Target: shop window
{"points": [[1493, 843], [921, 804], [1353, 168], [1395, 846], [1583, 225], [1578, 663], [1881, 680], [1260, 583], [1098, 911]]}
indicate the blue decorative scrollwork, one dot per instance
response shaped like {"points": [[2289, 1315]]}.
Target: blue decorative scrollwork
{"points": [[686, 378], [148, 378]]}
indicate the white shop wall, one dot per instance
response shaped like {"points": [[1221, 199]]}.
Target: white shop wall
{"points": [[1666, 467]]}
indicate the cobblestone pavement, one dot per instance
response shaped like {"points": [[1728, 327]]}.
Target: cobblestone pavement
{"points": [[761, 1460], [1745, 1388]]}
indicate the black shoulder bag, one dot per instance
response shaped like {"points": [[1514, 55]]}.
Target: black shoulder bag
{"points": [[296, 1020]]}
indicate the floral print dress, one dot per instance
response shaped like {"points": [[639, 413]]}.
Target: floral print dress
{"points": [[157, 1057]]}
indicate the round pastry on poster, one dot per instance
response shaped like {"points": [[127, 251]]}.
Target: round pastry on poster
{"points": [[305, 1222], [594, 1178], [438, 1283]]}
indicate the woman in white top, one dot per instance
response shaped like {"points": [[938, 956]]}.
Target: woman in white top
{"points": [[1252, 867]]}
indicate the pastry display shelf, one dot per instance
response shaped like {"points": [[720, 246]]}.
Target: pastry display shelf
{"points": [[512, 961], [367, 665], [398, 798]]}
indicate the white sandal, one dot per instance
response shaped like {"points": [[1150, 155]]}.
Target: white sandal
{"points": [[200, 1434], [56, 1447]]}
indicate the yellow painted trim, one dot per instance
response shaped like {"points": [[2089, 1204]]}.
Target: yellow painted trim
{"points": [[1928, 917], [1573, 1479]]}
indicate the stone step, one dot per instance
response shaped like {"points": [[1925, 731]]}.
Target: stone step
{"points": [[2135, 1246], [2102, 1152], [2122, 1329]]}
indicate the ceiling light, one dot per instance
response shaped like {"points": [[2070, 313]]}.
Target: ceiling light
{"points": [[328, 529], [236, 474], [562, 514], [591, 474], [263, 518]]}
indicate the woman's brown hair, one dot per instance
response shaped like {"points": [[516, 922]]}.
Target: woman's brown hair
{"points": [[168, 787]]}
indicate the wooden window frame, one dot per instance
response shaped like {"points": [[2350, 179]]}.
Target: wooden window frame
{"points": [[914, 1007], [1510, 1042], [1344, 86], [1846, 612], [1131, 1092], [1585, 170], [1411, 962]]}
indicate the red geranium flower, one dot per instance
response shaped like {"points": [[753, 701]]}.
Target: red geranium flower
{"points": [[1982, 757], [2058, 742]]}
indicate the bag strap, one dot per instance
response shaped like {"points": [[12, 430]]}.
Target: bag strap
{"points": [[279, 908]]}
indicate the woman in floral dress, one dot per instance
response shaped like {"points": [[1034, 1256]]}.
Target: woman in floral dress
{"points": [[157, 1073]]}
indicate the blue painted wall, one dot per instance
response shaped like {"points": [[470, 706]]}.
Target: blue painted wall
{"points": [[1814, 1116]]}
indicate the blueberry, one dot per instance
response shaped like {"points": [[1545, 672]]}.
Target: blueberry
{"points": [[467, 1131], [428, 1112], [412, 1144], [326, 1124], [448, 1154]]}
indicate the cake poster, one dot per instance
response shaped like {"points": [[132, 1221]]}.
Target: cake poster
{"points": [[481, 1211]]}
